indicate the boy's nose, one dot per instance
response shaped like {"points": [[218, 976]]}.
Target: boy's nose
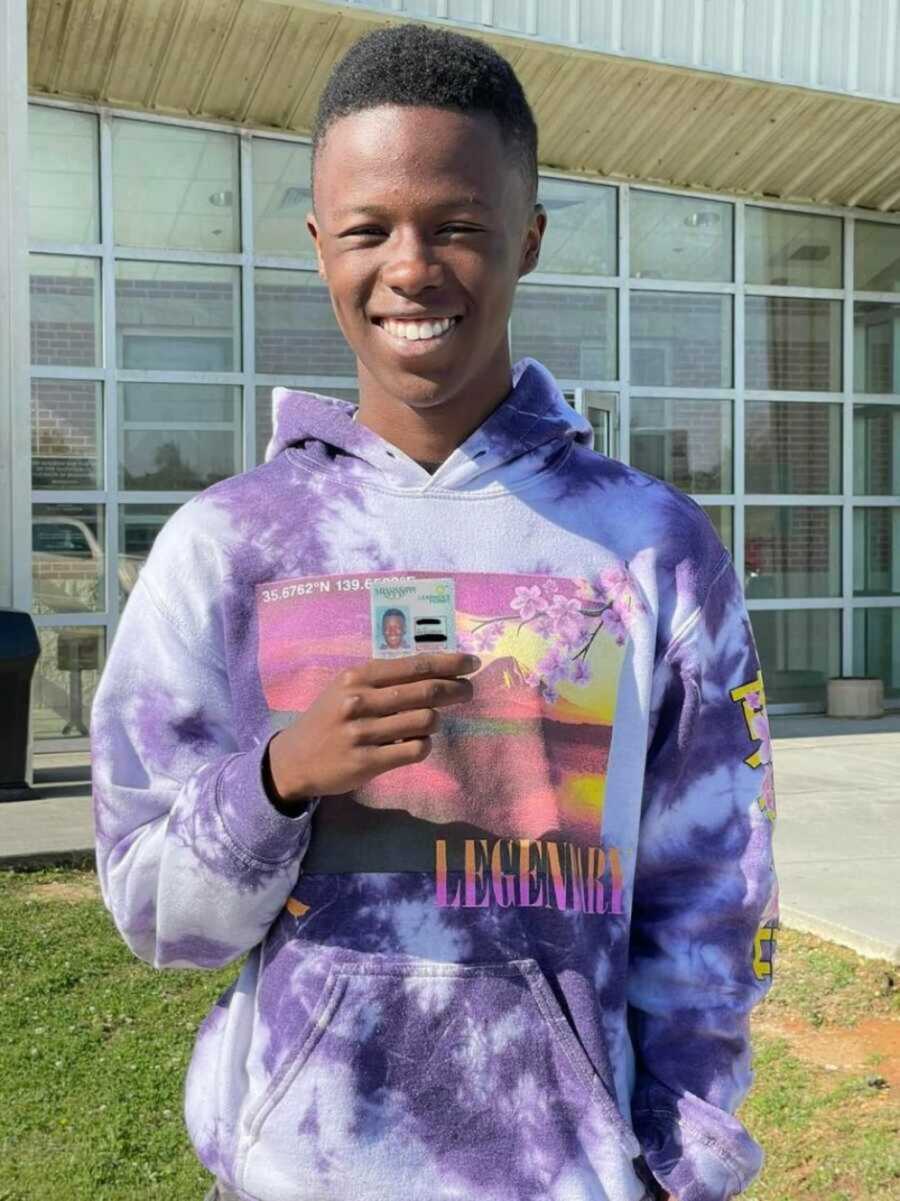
{"points": [[412, 269]]}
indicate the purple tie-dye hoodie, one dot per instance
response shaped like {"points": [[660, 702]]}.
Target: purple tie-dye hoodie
{"points": [[522, 969]]}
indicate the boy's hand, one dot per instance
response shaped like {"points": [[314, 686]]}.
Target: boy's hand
{"points": [[369, 720]]}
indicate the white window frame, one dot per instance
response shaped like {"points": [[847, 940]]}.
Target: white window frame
{"points": [[248, 380]]}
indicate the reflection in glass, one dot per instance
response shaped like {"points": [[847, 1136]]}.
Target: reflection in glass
{"points": [[876, 450], [63, 175], [264, 412], [681, 237], [798, 250], [178, 317], [681, 340], [793, 446], [296, 330], [178, 437], [722, 517], [876, 646], [684, 442], [792, 550], [65, 310], [876, 551], [66, 434], [876, 347], [138, 527], [572, 331], [581, 227], [65, 680], [67, 555], [876, 253], [793, 344], [281, 199], [600, 410], [800, 650], [174, 187]]}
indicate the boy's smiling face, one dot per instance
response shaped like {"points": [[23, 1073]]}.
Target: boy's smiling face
{"points": [[423, 215]]}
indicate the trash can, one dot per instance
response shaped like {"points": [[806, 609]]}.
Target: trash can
{"points": [[19, 653]]}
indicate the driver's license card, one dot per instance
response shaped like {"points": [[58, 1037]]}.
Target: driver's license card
{"points": [[411, 616]]}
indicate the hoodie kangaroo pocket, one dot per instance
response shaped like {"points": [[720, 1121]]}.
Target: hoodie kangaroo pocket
{"points": [[428, 1080]]}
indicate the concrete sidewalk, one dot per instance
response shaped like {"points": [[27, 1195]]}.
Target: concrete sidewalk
{"points": [[837, 842]]}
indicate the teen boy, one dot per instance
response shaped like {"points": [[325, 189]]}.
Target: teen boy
{"points": [[505, 917]]}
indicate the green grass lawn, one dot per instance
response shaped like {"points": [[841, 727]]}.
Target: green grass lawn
{"points": [[94, 1046]]}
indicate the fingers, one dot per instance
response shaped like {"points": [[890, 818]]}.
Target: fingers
{"points": [[382, 673], [398, 754], [381, 731], [426, 694]]}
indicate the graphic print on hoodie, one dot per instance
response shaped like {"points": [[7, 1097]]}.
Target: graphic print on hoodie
{"points": [[523, 968], [508, 807]]}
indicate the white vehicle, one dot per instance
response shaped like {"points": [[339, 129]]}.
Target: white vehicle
{"points": [[67, 566]]}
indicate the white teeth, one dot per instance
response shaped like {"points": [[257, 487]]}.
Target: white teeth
{"points": [[417, 331]]}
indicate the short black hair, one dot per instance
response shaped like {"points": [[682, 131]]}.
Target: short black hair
{"points": [[418, 65]]}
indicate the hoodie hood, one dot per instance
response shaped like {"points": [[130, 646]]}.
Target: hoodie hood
{"points": [[532, 425]]}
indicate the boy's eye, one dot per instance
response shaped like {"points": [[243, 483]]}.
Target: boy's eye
{"points": [[375, 231]]}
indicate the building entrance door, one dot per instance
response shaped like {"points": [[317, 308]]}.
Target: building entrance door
{"points": [[602, 411]]}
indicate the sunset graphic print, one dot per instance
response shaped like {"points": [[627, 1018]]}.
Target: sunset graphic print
{"points": [[508, 808]]}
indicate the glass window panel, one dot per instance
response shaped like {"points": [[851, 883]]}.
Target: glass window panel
{"points": [[722, 517], [264, 412], [681, 237], [793, 344], [296, 330], [572, 331], [876, 646], [800, 650], [685, 442], [681, 340], [65, 311], [798, 250], [175, 187], [876, 347], [65, 680], [581, 227], [792, 550], [600, 410], [178, 317], [63, 175], [67, 553], [876, 450], [281, 199], [793, 447], [876, 551], [179, 437], [66, 434], [138, 527], [876, 253]]}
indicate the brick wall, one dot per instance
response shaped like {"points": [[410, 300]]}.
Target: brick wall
{"points": [[680, 340], [793, 550], [66, 434], [793, 447], [572, 331], [792, 344], [297, 333], [65, 321]]}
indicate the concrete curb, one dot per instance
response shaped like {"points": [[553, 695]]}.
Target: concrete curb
{"points": [[869, 948], [35, 860]]}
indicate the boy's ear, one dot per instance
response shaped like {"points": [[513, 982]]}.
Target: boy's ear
{"points": [[313, 227], [531, 247]]}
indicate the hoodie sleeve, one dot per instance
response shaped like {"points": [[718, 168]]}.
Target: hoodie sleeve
{"points": [[194, 860], [705, 902]]}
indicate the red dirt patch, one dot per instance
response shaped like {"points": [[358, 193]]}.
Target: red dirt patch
{"points": [[843, 1048]]}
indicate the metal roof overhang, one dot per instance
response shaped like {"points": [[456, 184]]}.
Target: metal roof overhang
{"points": [[262, 64]]}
